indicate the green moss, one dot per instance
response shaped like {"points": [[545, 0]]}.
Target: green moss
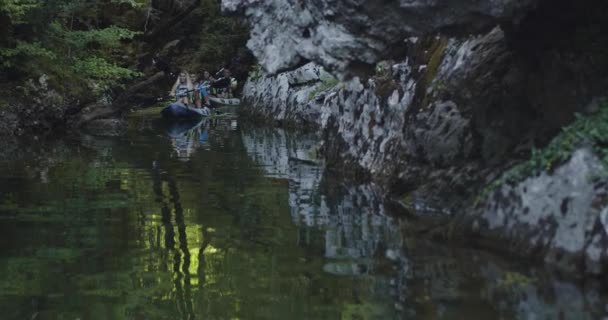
{"points": [[256, 73], [436, 56], [327, 82], [4, 104], [590, 130], [406, 199], [513, 280]]}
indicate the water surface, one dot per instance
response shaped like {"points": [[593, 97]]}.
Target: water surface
{"points": [[225, 221]]}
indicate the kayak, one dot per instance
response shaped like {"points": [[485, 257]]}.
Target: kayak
{"points": [[224, 102], [178, 110]]}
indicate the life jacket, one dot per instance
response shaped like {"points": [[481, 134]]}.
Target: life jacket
{"points": [[209, 88], [181, 90]]}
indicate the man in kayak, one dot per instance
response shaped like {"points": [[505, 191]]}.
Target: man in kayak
{"points": [[225, 85]]}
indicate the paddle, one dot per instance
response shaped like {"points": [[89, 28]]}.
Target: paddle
{"points": [[168, 97]]}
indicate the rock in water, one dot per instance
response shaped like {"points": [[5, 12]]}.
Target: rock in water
{"points": [[562, 215]]}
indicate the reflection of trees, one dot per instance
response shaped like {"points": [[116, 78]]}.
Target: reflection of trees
{"points": [[181, 257]]}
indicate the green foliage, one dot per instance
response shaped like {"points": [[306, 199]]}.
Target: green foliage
{"points": [[513, 280], [86, 47], [11, 56], [222, 39], [588, 130], [69, 41], [106, 38], [17, 9], [132, 3], [105, 72], [256, 73]]}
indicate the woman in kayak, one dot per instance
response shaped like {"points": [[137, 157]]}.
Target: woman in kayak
{"points": [[183, 88], [207, 78]]}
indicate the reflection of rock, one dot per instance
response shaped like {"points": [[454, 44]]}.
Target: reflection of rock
{"points": [[355, 216], [345, 268], [439, 280], [355, 221], [288, 156], [273, 149], [428, 280], [359, 223]]}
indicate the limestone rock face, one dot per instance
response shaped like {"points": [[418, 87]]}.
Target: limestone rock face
{"points": [[339, 34], [447, 115], [380, 125], [288, 97]]}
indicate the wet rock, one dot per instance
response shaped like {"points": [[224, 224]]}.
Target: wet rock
{"points": [[561, 215], [288, 98]]}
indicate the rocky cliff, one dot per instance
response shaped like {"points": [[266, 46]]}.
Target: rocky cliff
{"points": [[446, 113], [343, 35]]}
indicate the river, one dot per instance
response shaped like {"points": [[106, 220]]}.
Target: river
{"points": [[231, 221]]}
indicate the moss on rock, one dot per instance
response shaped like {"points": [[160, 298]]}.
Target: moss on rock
{"points": [[590, 130]]}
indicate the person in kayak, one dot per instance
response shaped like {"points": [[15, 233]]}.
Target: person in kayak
{"points": [[196, 95], [201, 95], [207, 79], [225, 85], [182, 88]]}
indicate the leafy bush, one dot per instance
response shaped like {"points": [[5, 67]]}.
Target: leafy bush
{"points": [[103, 72], [67, 41], [106, 38], [16, 10], [587, 130], [24, 50]]}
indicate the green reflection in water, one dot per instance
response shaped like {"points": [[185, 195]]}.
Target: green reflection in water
{"points": [[156, 227], [221, 222]]}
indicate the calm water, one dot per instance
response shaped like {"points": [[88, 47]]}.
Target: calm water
{"points": [[234, 222]]}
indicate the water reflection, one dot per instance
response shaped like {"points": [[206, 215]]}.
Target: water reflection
{"points": [[248, 227], [425, 280], [188, 135], [290, 157]]}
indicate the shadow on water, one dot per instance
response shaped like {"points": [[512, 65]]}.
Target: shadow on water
{"points": [[209, 220]]}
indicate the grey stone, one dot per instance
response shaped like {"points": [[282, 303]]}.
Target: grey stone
{"points": [[338, 34], [449, 114], [561, 214], [290, 97]]}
